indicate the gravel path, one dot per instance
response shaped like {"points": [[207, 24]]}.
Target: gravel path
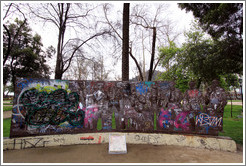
{"points": [[135, 154], [7, 114]]}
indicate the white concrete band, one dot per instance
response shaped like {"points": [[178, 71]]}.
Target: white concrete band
{"points": [[194, 141]]}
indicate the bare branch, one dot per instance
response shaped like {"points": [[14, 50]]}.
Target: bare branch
{"points": [[70, 59], [136, 62], [105, 14], [7, 11]]}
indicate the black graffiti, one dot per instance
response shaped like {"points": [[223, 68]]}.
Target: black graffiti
{"points": [[29, 143], [53, 108]]}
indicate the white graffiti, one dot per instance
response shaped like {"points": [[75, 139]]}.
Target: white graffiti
{"points": [[204, 119]]}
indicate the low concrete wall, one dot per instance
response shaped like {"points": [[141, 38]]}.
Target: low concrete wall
{"points": [[195, 141]]}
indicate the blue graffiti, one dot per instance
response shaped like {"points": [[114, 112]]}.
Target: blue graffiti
{"points": [[141, 89], [164, 85], [149, 84], [107, 127], [24, 83]]}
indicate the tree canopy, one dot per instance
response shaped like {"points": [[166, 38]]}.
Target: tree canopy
{"points": [[199, 59], [224, 22], [23, 53]]}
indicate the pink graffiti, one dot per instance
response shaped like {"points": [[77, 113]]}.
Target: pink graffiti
{"points": [[181, 121], [164, 118], [90, 114]]}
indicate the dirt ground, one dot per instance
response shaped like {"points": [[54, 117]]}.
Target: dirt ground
{"points": [[135, 154]]}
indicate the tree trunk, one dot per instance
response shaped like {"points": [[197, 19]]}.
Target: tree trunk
{"points": [[152, 55], [125, 44], [62, 28]]}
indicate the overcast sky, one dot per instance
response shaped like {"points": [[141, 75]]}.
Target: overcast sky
{"points": [[183, 20], [49, 33]]}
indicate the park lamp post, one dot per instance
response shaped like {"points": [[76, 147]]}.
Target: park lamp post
{"points": [[241, 88]]}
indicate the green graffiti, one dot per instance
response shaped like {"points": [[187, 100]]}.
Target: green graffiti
{"points": [[49, 107]]}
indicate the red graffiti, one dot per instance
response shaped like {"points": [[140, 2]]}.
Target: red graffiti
{"points": [[100, 139], [87, 138], [108, 85], [193, 93]]}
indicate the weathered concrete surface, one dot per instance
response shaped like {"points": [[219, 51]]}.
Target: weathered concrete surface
{"points": [[203, 142], [141, 153]]}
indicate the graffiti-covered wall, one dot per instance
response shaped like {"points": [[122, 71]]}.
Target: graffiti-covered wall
{"points": [[44, 107]]}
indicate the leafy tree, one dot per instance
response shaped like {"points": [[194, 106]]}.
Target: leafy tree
{"points": [[26, 57], [7, 89], [196, 60], [224, 22], [174, 71]]}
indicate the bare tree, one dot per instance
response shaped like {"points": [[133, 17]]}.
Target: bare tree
{"points": [[115, 28], [149, 27], [140, 17], [64, 16], [83, 69]]}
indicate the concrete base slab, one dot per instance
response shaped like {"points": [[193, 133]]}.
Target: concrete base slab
{"points": [[195, 141], [117, 144]]}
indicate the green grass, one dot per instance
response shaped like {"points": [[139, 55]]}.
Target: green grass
{"points": [[7, 101], [6, 127], [233, 127], [7, 104], [236, 110], [7, 108]]}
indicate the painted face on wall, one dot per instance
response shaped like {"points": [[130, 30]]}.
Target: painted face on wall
{"points": [[111, 93], [138, 106]]}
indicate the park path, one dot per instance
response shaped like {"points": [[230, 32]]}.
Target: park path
{"points": [[98, 153], [7, 114], [235, 103]]}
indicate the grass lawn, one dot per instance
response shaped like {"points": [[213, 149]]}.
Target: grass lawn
{"points": [[6, 127], [7, 108], [233, 127], [7, 104]]}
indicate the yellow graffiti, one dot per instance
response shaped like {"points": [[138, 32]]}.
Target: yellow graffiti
{"points": [[49, 89]]}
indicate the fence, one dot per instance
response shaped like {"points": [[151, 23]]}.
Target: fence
{"points": [[43, 107]]}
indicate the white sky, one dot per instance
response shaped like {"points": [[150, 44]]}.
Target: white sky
{"points": [[183, 20], [49, 33]]}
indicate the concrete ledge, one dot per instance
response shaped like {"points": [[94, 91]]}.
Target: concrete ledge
{"points": [[195, 141]]}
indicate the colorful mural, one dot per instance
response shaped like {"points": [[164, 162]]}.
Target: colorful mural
{"points": [[43, 107]]}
